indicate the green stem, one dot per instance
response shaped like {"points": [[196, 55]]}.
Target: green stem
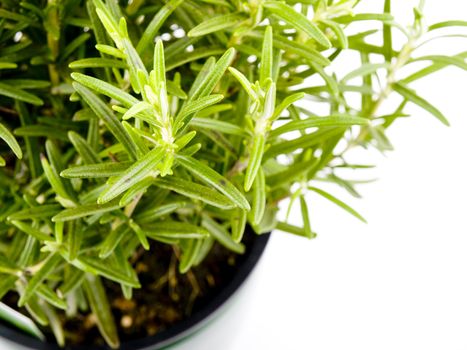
{"points": [[401, 60], [53, 37]]}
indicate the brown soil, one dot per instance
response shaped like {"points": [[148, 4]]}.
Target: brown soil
{"points": [[166, 296]]}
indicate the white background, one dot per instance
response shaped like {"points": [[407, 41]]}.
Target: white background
{"points": [[398, 282]]}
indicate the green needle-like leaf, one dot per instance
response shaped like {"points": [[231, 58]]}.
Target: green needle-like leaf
{"points": [[238, 222], [136, 191], [339, 32], [297, 20], [105, 88], [383, 17], [41, 131], [144, 167], [156, 23], [140, 234], [55, 180], [72, 280], [112, 240], [410, 95], [27, 83], [20, 95], [244, 82], [101, 267], [51, 297], [105, 114], [85, 150], [302, 142], [8, 65], [446, 60], [85, 210], [292, 173], [254, 163], [110, 50], [173, 229], [207, 84], [221, 235], [217, 125], [446, 24], [55, 324], [137, 137], [159, 65], [75, 44], [312, 122], [20, 321], [138, 108], [364, 69], [97, 298], [216, 23], [189, 255], [155, 213], [74, 239], [211, 177], [96, 170], [204, 250], [33, 232], [41, 211], [387, 33], [337, 202], [97, 63], [44, 272], [299, 49], [196, 106], [431, 69], [259, 198], [265, 71], [305, 217], [192, 56], [286, 103], [195, 191], [295, 230], [6, 135]]}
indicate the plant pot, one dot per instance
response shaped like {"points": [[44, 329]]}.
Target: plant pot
{"points": [[181, 330]]}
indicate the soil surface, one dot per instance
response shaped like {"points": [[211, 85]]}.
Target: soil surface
{"points": [[166, 296]]}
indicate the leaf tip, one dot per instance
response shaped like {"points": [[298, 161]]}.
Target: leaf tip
{"points": [[248, 183]]}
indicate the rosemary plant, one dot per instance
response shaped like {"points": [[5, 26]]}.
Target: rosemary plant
{"points": [[180, 122]]}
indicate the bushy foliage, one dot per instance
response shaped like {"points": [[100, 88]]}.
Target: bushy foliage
{"points": [[181, 122]]}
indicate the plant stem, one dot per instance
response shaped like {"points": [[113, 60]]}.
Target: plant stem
{"points": [[401, 60], [53, 37]]}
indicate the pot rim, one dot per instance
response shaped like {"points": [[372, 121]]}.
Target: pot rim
{"points": [[177, 332]]}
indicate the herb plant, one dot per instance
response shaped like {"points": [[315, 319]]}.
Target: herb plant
{"points": [[180, 122]]}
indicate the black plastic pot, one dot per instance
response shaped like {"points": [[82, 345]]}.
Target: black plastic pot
{"points": [[179, 331]]}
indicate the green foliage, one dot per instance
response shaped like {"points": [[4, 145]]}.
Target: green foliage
{"points": [[127, 124]]}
